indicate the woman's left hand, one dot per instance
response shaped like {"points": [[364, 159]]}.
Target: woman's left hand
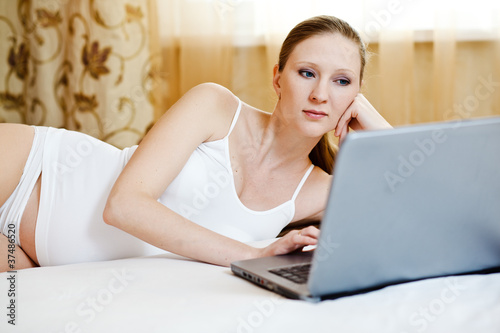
{"points": [[360, 115], [292, 241]]}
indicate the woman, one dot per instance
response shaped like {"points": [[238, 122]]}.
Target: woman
{"points": [[211, 174]]}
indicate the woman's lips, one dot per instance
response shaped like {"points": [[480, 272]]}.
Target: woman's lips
{"points": [[314, 114]]}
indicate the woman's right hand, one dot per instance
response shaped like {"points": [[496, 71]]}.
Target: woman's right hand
{"points": [[294, 240], [360, 115]]}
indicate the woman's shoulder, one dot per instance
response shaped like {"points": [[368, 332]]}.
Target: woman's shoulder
{"points": [[220, 102], [211, 88], [213, 97], [210, 104]]}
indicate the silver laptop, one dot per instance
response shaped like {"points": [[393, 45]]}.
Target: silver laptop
{"points": [[405, 204]]}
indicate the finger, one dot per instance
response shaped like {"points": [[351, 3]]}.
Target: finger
{"points": [[309, 236], [347, 117], [305, 237], [340, 127], [292, 241], [341, 124], [343, 134], [291, 244], [311, 231], [352, 112], [354, 124]]}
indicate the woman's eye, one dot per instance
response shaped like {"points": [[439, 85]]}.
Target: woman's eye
{"points": [[307, 74], [343, 82]]}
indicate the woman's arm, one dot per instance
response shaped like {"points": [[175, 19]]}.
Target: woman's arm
{"points": [[360, 115], [203, 114]]}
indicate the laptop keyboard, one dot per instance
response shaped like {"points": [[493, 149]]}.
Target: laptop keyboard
{"points": [[297, 273]]}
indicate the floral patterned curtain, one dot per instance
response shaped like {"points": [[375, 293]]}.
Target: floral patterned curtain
{"points": [[86, 65]]}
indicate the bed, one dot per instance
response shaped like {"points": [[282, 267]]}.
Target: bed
{"points": [[169, 293]]}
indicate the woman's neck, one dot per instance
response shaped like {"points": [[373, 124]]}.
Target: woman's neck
{"points": [[282, 146]]}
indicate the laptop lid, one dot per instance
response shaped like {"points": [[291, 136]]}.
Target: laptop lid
{"points": [[411, 203]]}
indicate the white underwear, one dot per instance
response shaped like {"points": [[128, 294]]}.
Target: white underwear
{"points": [[78, 172], [12, 210]]}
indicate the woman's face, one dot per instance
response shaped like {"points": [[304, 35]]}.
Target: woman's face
{"points": [[318, 83]]}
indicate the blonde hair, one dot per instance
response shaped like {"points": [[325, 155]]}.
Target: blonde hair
{"points": [[323, 154]]}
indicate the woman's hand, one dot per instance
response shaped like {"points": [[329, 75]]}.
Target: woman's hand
{"points": [[292, 241], [360, 115]]}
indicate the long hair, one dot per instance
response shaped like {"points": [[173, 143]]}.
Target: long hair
{"points": [[323, 154]]}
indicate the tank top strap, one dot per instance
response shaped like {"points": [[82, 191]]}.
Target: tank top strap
{"points": [[304, 178], [235, 118]]}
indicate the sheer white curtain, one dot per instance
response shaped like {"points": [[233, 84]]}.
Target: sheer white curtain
{"points": [[429, 58]]}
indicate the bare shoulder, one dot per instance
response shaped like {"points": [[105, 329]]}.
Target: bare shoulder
{"points": [[209, 104], [203, 114], [251, 123], [312, 199], [211, 92]]}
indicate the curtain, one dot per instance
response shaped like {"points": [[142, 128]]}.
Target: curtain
{"points": [[110, 68], [91, 66], [425, 65], [447, 72]]}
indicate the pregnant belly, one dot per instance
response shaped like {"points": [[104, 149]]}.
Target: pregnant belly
{"points": [[28, 222]]}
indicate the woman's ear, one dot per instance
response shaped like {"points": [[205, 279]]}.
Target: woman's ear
{"points": [[276, 80]]}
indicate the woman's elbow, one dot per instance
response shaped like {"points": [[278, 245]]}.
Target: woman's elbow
{"points": [[113, 211]]}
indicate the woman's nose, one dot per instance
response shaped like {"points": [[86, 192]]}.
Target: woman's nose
{"points": [[319, 94]]}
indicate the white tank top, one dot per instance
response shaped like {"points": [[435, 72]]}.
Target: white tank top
{"points": [[204, 193]]}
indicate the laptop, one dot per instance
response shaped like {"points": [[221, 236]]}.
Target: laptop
{"points": [[405, 204]]}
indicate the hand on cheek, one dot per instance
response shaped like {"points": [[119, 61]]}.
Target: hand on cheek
{"points": [[342, 130], [359, 115]]}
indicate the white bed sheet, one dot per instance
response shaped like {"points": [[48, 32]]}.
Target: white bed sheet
{"points": [[169, 293]]}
